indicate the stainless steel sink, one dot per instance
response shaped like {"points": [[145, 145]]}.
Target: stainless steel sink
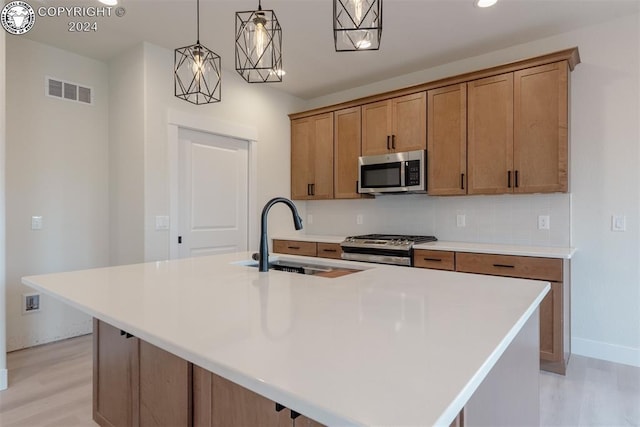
{"points": [[289, 266]]}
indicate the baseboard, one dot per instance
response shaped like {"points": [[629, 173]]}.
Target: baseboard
{"points": [[606, 351], [4, 382]]}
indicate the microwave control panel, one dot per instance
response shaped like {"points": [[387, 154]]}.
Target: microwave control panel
{"points": [[412, 172]]}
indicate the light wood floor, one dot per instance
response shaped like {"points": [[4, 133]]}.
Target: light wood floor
{"points": [[50, 385]]}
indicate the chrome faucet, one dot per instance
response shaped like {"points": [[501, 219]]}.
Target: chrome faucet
{"points": [[264, 240]]}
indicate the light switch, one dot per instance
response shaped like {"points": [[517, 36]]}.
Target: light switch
{"points": [[162, 222], [36, 222], [359, 219], [461, 220], [618, 223]]}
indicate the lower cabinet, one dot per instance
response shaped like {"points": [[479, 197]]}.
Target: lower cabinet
{"points": [[555, 331], [138, 384], [316, 249], [219, 402]]}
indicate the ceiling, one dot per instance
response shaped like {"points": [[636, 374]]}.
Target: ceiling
{"points": [[417, 34]]}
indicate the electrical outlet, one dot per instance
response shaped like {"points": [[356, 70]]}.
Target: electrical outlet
{"points": [[544, 222], [359, 219], [461, 220], [30, 303]]}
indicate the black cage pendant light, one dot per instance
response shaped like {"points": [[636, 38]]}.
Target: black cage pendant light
{"points": [[259, 46], [197, 72], [357, 24]]}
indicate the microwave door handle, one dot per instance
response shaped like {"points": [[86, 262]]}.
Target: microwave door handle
{"points": [[403, 182]]}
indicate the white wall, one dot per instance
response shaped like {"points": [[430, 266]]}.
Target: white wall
{"points": [[605, 159], [3, 309], [56, 166], [126, 157], [261, 107]]}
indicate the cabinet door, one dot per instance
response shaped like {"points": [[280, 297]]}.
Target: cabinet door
{"points": [[551, 324], [301, 133], [115, 376], [447, 140], [409, 125], [312, 157], [233, 405], [322, 157], [347, 141], [165, 388], [541, 129], [490, 138], [376, 128]]}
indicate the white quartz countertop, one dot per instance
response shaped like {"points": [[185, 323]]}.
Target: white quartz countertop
{"points": [[482, 248], [385, 346]]}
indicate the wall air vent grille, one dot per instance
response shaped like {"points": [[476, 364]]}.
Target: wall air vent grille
{"points": [[62, 89]]}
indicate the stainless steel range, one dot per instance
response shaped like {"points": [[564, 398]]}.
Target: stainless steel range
{"points": [[382, 248]]}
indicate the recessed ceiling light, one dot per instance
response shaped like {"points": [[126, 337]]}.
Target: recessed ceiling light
{"points": [[485, 3], [109, 2]]}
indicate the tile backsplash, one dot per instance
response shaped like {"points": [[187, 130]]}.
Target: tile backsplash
{"points": [[505, 219]]}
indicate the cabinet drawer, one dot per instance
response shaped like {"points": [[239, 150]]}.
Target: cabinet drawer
{"points": [[439, 260], [295, 247], [330, 250], [510, 265]]}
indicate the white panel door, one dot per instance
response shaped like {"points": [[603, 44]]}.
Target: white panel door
{"points": [[213, 193]]}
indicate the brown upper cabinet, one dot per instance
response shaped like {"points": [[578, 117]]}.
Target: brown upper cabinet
{"points": [[347, 141], [494, 131], [490, 126], [518, 131], [395, 125], [540, 131], [447, 140], [312, 157]]}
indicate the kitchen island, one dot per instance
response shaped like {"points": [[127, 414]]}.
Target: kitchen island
{"points": [[383, 346]]}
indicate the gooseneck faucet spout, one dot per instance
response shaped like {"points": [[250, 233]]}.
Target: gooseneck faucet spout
{"points": [[264, 240]]}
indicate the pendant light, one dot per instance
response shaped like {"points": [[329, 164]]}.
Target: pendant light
{"points": [[357, 24], [259, 46], [197, 72]]}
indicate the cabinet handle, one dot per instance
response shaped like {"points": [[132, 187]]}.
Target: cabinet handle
{"points": [[462, 181], [308, 189], [393, 142], [517, 179], [508, 179], [329, 250], [313, 189], [504, 266], [293, 247], [433, 259], [357, 182], [388, 146]]}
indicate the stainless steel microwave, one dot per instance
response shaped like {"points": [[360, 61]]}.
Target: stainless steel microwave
{"points": [[393, 173]]}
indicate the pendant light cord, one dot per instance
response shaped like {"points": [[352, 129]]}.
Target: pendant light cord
{"points": [[198, 23], [259, 4]]}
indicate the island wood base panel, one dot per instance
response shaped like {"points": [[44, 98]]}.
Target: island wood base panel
{"points": [[138, 384]]}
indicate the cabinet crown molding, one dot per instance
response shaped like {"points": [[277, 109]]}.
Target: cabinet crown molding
{"points": [[571, 55]]}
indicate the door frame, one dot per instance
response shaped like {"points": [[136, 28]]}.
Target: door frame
{"points": [[201, 123]]}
